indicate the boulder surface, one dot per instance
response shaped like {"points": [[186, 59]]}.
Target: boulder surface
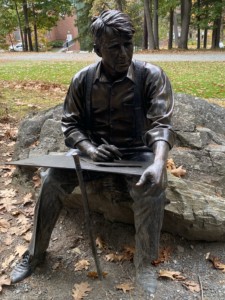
{"points": [[197, 201]]}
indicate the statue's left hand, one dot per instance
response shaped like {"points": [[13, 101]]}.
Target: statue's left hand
{"points": [[155, 175]]}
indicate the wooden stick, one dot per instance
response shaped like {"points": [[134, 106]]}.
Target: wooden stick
{"points": [[87, 213], [201, 287]]}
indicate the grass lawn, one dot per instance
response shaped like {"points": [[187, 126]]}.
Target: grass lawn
{"points": [[201, 79]]}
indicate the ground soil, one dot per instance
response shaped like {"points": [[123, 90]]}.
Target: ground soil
{"points": [[71, 232]]}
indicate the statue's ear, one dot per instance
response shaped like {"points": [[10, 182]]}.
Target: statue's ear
{"points": [[97, 50]]}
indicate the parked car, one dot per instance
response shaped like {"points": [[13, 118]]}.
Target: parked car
{"points": [[221, 45], [18, 47]]}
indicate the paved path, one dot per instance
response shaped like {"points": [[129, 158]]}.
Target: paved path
{"points": [[93, 57]]}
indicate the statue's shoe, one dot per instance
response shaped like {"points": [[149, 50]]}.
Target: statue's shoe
{"points": [[147, 280], [25, 267]]}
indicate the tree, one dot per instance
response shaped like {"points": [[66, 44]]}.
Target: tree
{"points": [[156, 24], [185, 22], [149, 25], [119, 5], [145, 35], [175, 28], [170, 44], [8, 23]]}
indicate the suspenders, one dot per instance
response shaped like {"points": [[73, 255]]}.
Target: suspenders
{"points": [[138, 99]]}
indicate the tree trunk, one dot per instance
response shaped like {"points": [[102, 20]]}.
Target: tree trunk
{"points": [[27, 25], [185, 9], [205, 38], [145, 35], [149, 25], [35, 29], [19, 21], [221, 29], [119, 5], [216, 34], [156, 24], [199, 38], [175, 28], [25, 39], [170, 44]]}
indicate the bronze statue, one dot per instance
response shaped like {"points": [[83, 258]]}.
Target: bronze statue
{"points": [[129, 104]]}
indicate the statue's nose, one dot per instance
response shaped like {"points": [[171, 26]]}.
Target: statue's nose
{"points": [[122, 52]]}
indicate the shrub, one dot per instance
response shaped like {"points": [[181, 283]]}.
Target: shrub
{"points": [[56, 43]]}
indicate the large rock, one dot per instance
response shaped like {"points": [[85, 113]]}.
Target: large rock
{"points": [[197, 203]]}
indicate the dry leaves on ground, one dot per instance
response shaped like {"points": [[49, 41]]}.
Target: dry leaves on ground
{"points": [[169, 274], [8, 241], [19, 230], [27, 236], [114, 257], [217, 263], [55, 266], [7, 182], [10, 173], [179, 172], [192, 286], [170, 164], [36, 181], [33, 145], [4, 281], [7, 204], [99, 242], [164, 254], [22, 219], [4, 225], [125, 287], [82, 264], [9, 193], [27, 198], [81, 290], [20, 249], [8, 261], [30, 211], [95, 274]]}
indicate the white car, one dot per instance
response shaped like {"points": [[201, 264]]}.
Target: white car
{"points": [[18, 47], [221, 45]]}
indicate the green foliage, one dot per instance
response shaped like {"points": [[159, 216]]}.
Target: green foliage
{"points": [[8, 23], [204, 16], [83, 23], [55, 44]]}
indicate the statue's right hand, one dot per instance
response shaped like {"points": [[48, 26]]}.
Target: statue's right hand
{"points": [[104, 153]]}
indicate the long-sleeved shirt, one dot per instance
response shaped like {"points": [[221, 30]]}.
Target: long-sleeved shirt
{"points": [[113, 109]]}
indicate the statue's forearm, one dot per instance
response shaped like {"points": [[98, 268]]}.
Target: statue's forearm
{"points": [[86, 146], [161, 150]]}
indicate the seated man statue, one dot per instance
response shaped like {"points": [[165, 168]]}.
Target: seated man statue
{"points": [[128, 103]]}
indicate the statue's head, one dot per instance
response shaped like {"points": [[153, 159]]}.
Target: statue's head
{"points": [[112, 32]]}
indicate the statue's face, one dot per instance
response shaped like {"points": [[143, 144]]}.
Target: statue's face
{"points": [[116, 52]]}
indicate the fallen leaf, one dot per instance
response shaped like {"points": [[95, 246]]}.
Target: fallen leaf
{"points": [[95, 274], [81, 290], [19, 230], [27, 236], [82, 264], [207, 255], [22, 219], [7, 182], [170, 165], [20, 249], [163, 255], [4, 281], [217, 263], [114, 257], [30, 211], [99, 242], [8, 261], [8, 241], [179, 172], [168, 274], [7, 203], [129, 249], [33, 145], [125, 287], [11, 193], [56, 266], [180, 278], [36, 181], [27, 199], [4, 225], [11, 144], [192, 286], [76, 250], [10, 173]]}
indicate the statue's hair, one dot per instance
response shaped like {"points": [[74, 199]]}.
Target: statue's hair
{"points": [[118, 21]]}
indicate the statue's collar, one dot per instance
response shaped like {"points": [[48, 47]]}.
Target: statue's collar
{"points": [[103, 78]]}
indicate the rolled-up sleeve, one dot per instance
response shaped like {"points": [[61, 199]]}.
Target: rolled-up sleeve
{"points": [[73, 119], [159, 101]]}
